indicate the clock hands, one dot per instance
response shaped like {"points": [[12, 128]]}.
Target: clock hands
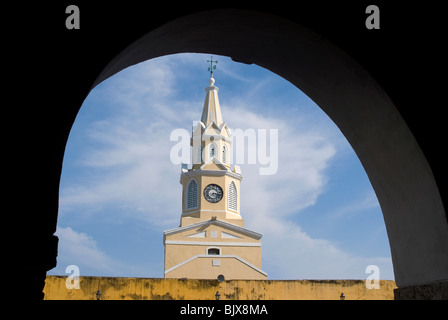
{"points": [[213, 193]]}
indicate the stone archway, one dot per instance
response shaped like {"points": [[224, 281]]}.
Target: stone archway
{"points": [[400, 175]]}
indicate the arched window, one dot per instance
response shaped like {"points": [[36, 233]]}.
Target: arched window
{"points": [[192, 194], [224, 154], [212, 150], [198, 154], [213, 251], [233, 197]]}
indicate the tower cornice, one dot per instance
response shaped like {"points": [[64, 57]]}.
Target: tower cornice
{"points": [[217, 173], [238, 229], [207, 137]]}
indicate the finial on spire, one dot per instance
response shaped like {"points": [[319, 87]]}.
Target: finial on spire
{"points": [[212, 67]]}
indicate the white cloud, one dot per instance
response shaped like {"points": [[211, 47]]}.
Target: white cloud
{"points": [[303, 158], [292, 254], [351, 209], [132, 170], [81, 250]]}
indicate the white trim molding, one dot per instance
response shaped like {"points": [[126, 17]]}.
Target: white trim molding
{"points": [[217, 173], [241, 230], [214, 257], [210, 243]]}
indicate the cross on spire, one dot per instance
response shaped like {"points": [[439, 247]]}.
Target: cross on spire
{"points": [[212, 67]]}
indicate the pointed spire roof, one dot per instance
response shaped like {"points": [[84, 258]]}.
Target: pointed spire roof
{"points": [[212, 111]]}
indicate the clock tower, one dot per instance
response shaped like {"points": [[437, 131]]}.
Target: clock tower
{"points": [[211, 240], [211, 187]]}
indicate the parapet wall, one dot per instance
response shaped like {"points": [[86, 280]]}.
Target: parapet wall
{"points": [[113, 288]]}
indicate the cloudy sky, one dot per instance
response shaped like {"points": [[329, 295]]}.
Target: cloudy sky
{"points": [[119, 190]]}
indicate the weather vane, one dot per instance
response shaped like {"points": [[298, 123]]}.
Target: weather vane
{"points": [[212, 67]]}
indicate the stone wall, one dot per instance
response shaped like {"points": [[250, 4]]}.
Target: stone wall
{"points": [[182, 289], [429, 291]]}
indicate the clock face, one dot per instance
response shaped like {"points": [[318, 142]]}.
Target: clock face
{"points": [[213, 193]]}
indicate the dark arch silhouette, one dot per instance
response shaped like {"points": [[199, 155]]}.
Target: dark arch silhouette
{"points": [[397, 168], [395, 164]]}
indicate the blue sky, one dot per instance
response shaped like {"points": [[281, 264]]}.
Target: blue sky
{"points": [[119, 191]]}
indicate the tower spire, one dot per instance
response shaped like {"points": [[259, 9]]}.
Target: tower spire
{"points": [[211, 111]]}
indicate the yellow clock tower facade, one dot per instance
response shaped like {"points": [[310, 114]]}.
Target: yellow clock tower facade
{"points": [[211, 240]]}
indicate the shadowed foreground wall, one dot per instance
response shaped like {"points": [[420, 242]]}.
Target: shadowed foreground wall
{"points": [[174, 289]]}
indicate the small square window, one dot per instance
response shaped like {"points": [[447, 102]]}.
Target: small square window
{"points": [[213, 252]]}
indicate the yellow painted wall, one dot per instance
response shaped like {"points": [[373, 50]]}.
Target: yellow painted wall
{"points": [[178, 289], [176, 254], [183, 247], [201, 268]]}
